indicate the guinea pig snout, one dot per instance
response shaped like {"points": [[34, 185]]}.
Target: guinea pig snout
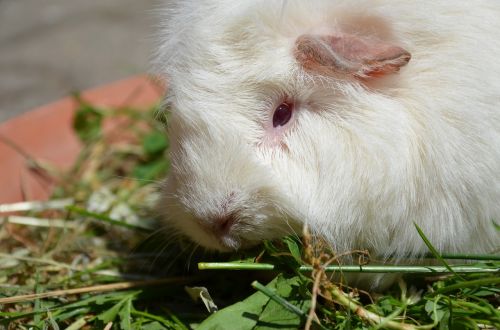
{"points": [[226, 215], [221, 196], [229, 220], [224, 221], [221, 224]]}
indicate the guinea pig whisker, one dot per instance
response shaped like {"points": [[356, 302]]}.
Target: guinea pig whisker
{"points": [[157, 232], [195, 247], [160, 253], [174, 260], [292, 230]]}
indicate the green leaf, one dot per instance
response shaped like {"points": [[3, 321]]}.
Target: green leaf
{"points": [[277, 316], [242, 315], [259, 312], [100, 299], [125, 316], [152, 326], [435, 310], [167, 324], [110, 314], [155, 143], [293, 246], [87, 123], [150, 171], [270, 248], [281, 260]]}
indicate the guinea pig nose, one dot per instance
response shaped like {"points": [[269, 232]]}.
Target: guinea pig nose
{"points": [[226, 215], [223, 223]]}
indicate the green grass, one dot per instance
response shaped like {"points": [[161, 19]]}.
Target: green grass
{"points": [[93, 258]]}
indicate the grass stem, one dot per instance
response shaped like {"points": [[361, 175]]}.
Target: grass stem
{"points": [[352, 268], [96, 288]]}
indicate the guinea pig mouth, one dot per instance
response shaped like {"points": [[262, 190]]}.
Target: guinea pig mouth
{"points": [[227, 234], [223, 243], [227, 237], [224, 228], [230, 243]]}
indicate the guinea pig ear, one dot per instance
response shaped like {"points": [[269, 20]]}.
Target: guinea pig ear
{"points": [[349, 55]]}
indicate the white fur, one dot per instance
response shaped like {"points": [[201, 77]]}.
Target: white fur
{"points": [[359, 163]]}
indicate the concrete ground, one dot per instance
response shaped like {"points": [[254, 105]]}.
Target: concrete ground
{"points": [[49, 48]]}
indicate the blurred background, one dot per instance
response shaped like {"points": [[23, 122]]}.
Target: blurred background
{"points": [[49, 48]]}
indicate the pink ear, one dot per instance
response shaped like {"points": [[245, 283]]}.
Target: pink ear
{"points": [[344, 54]]}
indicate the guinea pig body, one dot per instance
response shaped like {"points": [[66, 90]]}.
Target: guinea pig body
{"points": [[285, 113]]}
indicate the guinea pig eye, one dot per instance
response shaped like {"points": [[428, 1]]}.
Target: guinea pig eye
{"points": [[282, 114]]}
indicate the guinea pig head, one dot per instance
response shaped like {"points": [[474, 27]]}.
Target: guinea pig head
{"points": [[264, 109], [218, 193]]}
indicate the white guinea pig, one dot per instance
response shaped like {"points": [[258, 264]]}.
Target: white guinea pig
{"points": [[357, 118]]}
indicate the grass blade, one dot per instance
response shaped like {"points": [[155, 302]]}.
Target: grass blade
{"points": [[36, 205], [107, 219], [434, 251], [272, 295], [469, 284]]}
